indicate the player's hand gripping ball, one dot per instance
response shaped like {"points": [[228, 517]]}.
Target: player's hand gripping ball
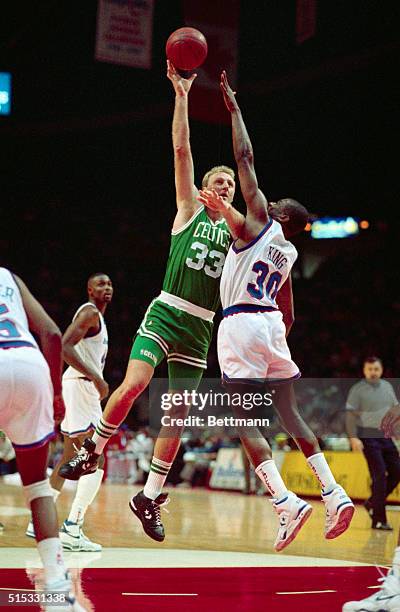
{"points": [[186, 48]]}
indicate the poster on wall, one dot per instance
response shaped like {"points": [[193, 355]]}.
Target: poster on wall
{"points": [[124, 32]]}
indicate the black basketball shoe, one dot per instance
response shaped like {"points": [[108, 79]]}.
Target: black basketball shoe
{"points": [[84, 462], [148, 512]]}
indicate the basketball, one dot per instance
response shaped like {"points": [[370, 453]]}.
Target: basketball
{"points": [[186, 48]]}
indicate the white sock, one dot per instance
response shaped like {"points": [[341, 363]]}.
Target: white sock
{"points": [[157, 476], [321, 469], [104, 431], [396, 562], [50, 551], [269, 475], [86, 491]]}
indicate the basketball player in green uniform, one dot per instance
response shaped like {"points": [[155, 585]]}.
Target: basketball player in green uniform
{"points": [[178, 323]]}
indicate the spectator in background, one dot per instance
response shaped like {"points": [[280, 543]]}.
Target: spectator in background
{"points": [[367, 403]]}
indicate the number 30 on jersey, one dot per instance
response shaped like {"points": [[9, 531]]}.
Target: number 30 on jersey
{"points": [[263, 287]]}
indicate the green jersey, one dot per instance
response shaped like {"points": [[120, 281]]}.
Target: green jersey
{"points": [[196, 259]]}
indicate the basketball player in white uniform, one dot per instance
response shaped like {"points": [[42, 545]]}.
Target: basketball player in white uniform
{"points": [[85, 345], [30, 400], [252, 347]]}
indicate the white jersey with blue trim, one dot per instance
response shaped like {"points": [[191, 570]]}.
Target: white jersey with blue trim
{"points": [[14, 326], [92, 350], [254, 273]]}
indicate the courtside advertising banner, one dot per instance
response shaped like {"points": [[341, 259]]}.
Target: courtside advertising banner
{"points": [[124, 32]]}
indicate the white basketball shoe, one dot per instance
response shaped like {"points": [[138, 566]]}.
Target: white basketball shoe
{"points": [[62, 592], [73, 538], [339, 510], [293, 513], [387, 599]]}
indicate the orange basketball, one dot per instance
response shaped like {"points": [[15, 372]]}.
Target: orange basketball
{"points": [[186, 48]]}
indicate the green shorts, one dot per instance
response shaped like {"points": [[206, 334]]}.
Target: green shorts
{"points": [[182, 338]]}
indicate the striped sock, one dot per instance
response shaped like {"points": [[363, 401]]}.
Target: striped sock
{"points": [[155, 481], [104, 431]]}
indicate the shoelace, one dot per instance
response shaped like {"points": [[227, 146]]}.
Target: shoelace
{"points": [[82, 455], [157, 512]]}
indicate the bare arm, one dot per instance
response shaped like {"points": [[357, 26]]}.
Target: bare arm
{"points": [[184, 172], [284, 299], [255, 200], [351, 429], [49, 334], [88, 318], [234, 219]]}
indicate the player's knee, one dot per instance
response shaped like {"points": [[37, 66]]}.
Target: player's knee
{"points": [[36, 490], [179, 412], [132, 388]]}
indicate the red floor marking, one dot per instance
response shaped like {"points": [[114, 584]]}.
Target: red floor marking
{"points": [[235, 589]]}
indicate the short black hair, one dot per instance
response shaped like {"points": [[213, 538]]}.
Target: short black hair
{"points": [[95, 274], [372, 359], [298, 215]]}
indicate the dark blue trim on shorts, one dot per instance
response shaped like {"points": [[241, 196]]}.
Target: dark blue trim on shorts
{"points": [[242, 381], [79, 431], [259, 381], [278, 381], [260, 235], [41, 442], [16, 344], [238, 308]]}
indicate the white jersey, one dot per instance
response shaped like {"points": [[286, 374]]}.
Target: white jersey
{"points": [[91, 350], [253, 274], [14, 326]]}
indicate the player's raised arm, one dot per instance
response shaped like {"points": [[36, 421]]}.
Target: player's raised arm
{"points": [[255, 200], [87, 319], [183, 161], [49, 334]]}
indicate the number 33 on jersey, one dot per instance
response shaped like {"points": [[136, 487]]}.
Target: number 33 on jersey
{"points": [[196, 259]]}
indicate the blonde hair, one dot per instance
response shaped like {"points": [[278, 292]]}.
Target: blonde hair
{"points": [[206, 177]]}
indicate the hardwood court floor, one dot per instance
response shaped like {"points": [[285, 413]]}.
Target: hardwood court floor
{"points": [[217, 556], [205, 520]]}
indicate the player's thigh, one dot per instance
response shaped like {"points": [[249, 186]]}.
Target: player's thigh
{"points": [[32, 464], [82, 407], [242, 347], [280, 363], [183, 376], [145, 356], [28, 419]]}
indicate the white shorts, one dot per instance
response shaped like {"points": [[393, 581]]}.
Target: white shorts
{"points": [[26, 397], [82, 406], [253, 346]]}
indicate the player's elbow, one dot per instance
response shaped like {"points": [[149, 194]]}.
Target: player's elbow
{"points": [[245, 156], [52, 335]]}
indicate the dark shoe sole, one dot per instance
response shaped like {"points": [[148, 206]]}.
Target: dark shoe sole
{"points": [[147, 532], [67, 476]]}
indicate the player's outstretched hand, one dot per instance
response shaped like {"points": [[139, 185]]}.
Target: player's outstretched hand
{"points": [[182, 86], [229, 95], [211, 199], [101, 386], [58, 408], [390, 421]]}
